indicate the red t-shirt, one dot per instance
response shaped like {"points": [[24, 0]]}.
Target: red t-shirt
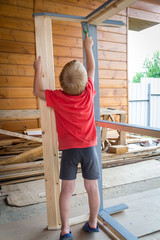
{"points": [[74, 117]]}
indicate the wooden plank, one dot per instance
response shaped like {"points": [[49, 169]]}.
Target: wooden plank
{"points": [[44, 47], [117, 83], [138, 24], [17, 47], [107, 92], [16, 35], [113, 65], [143, 5], [29, 166], [16, 11], [13, 92], [16, 81], [15, 58], [112, 74], [21, 175], [111, 37], [19, 114], [15, 23], [154, 132], [111, 46], [16, 70], [28, 156], [143, 15], [108, 102], [28, 179], [20, 3], [68, 51], [14, 134], [118, 149], [18, 125], [48, 6], [111, 56], [108, 10], [121, 30], [5, 142], [122, 135], [15, 104]]}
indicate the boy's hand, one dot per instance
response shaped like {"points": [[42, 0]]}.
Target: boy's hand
{"points": [[88, 42], [38, 64]]}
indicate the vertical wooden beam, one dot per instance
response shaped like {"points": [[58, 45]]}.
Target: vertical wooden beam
{"points": [[44, 48]]}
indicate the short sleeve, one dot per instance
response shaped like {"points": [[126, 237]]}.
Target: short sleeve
{"points": [[50, 98]]}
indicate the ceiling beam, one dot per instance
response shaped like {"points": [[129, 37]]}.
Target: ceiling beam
{"points": [[107, 10]]}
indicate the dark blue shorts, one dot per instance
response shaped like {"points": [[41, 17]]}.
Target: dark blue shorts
{"points": [[89, 163]]}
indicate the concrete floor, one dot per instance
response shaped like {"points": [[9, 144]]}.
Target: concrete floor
{"points": [[35, 229], [29, 222]]}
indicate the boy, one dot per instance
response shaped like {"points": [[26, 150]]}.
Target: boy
{"points": [[76, 134]]}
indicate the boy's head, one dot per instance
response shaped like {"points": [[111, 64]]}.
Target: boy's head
{"points": [[73, 78]]}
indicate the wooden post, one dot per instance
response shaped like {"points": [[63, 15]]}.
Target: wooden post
{"points": [[44, 48]]}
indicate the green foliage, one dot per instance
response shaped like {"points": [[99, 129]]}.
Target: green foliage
{"points": [[137, 77], [152, 68]]}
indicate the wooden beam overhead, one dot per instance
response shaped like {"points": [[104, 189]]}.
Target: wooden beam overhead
{"points": [[107, 10]]}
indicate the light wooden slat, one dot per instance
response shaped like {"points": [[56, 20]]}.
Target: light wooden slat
{"points": [[108, 102], [44, 47], [20, 3], [16, 11], [111, 37], [14, 134], [143, 5], [16, 47], [13, 92], [114, 56], [109, 83], [107, 92], [148, 16], [16, 70], [113, 65], [19, 114], [16, 81], [13, 168], [19, 125], [68, 51], [112, 74], [15, 58], [110, 46], [67, 41], [120, 30], [16, 35], [15, 104], [15, 23], [69, 31], [28, 156], [62, 8], [83, 3]]}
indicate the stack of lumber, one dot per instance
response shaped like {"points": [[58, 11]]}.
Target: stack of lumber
{"points": [[132, 156], [20, 160]]}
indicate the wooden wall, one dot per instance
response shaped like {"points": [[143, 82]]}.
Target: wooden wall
{"points": [[17, 53]]}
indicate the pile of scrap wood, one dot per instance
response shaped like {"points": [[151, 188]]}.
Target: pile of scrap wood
{"points": [[21, 159]]}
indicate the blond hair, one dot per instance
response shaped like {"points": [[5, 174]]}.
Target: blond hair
{"points": [[73, 78]]}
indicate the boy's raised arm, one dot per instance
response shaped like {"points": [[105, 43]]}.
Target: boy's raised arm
{"points": [[37, 90], [88, 42]]}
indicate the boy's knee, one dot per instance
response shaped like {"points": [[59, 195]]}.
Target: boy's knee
{"points": [[91, 185], [67, 186]]}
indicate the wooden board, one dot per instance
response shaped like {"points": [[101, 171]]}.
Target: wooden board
{"points": [[44, 47], [118, 149]]}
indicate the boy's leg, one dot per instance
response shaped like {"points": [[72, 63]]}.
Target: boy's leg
{"points": [[91, 187], [67, 189]]}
